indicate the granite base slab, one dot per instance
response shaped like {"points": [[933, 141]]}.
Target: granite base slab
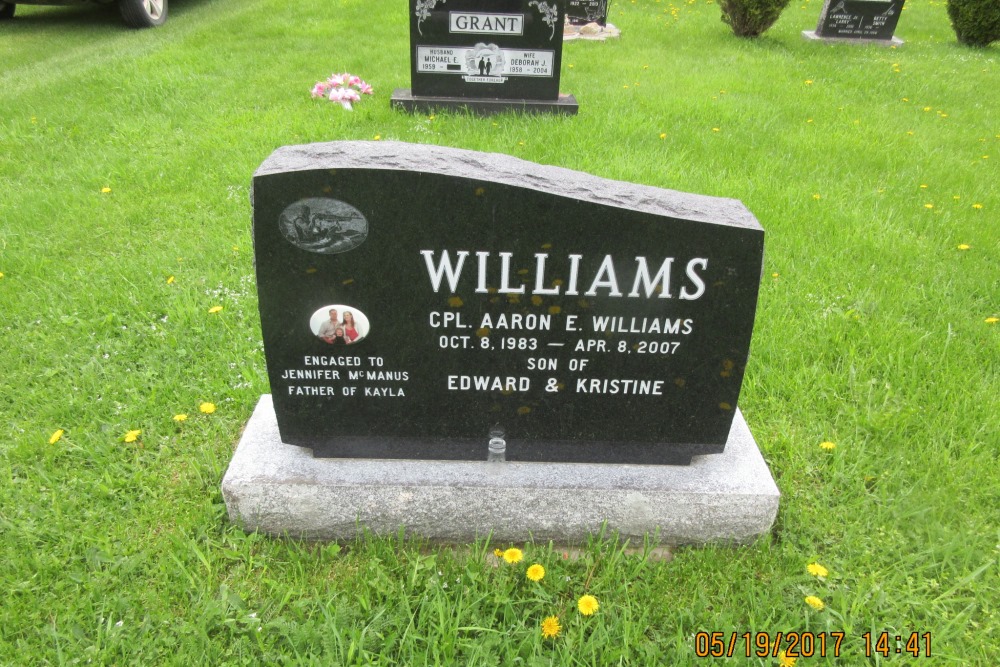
{"points": [[282, 490], [403, 98], [812, 36]]}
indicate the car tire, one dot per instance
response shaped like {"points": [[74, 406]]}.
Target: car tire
{"points": [[7, 10], [143, 13]]}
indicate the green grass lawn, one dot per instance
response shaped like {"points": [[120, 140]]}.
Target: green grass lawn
{"points": [[125, 163]]}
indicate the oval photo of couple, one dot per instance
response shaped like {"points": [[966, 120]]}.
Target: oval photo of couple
{"points": [[338, 324]]}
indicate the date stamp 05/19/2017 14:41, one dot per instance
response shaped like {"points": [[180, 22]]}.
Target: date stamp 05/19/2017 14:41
{"points": [[806, 644]]}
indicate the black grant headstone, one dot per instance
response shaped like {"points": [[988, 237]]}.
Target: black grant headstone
{"points": [[485, 56], [582, 12], [416, 300], [870, 20]]}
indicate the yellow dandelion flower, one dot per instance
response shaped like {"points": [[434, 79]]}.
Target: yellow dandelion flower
{"points": [[378, 137], [774, 275], [964, 246], [455, 302], [180, 418], [105, 190], [817, 570], [570, 65], [170, 280], [927, 108], [663, 135], [928, 206], [550, 626], [513, 555], [214, 309], [1, 275], [814, 602], [817, 196], [498, 553], [587, 605], [132, 436], [207, 408], [992, 320], [715, 129], [923, 186], [809, 82], [784, 660], [56, 437], [975, 206], [906, 99], [536, 572], [828, 445]]}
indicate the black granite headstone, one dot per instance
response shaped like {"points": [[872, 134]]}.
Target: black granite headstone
{"points": [[585, 319], [859, 19], [582, 12], [485, 55]]}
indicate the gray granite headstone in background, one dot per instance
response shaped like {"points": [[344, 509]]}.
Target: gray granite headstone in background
{"points": [[858, 21], [485, 56], [582, 12]]}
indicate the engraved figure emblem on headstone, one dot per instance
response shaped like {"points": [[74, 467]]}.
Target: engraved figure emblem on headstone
{"points": [[484, 62], [323, 225]]}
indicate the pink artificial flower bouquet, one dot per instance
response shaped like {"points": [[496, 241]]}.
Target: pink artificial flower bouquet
{"points": [[344, 88]]}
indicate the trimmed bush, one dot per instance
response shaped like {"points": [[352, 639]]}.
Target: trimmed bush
{"points": [[976, 22], [750, 18]]}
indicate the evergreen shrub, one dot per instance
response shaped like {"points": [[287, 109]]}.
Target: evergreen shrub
{"points": [[750, 18], [976, 22]]}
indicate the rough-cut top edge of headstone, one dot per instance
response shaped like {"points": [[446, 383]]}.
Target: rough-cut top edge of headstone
{"points": [[507, 170]]}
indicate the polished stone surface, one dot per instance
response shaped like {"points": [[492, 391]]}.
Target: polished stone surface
{"points": [[582, 12], [588, 320], [486, 49], [283, 490], [867, 20]]}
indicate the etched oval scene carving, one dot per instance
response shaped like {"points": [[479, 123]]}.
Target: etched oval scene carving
{"points": [[323, 225]]}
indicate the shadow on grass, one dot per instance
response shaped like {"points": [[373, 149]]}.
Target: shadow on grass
{"points": [[41, 19]]}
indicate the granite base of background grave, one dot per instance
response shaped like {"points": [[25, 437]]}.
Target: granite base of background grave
{"points": [[403, 98], [812, 36], [282, 490], [590, 31]]}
